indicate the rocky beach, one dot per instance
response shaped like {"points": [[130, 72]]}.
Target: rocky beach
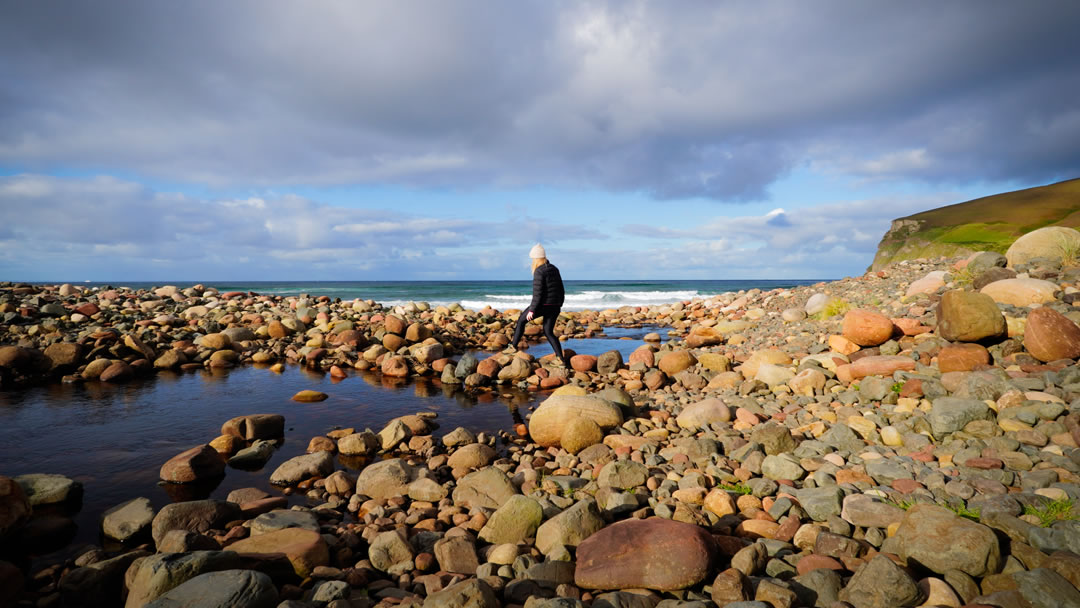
{"points": [[908, 437]]}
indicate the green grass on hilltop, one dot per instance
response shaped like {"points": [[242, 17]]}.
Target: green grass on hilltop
{"points": [[990, 223]]}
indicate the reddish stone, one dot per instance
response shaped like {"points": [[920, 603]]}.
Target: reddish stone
{"points": [[395, 325], [583, 363], [549, 383], [119, 371], [912, 388], [867, 328], [962, 358], [880, 365], [1051, 336], [911, 327], [852, 476], [816, 562], [488, 367], [906, 486], [644, 355], [653, 553], [228, 295], [984, 463], [196, 464], [395, 367], [89, 309]]}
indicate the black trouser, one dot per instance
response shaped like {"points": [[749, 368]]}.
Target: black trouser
{"points": [[550, 314]]}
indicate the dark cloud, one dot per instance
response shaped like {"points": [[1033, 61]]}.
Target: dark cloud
{"points": [[685, 99]]}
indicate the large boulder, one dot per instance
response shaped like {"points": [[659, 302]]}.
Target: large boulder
{"points": [[1050, 335], [194, 516], [305, 549], [1050, 242], [246, 588], [548, 421], [128, 519], [653, 553], [935, 538], [1021, 292], [867, 327], [49, 489], [967, 316], [701, 414], [157, 574], [196, 464], [385, 479]]}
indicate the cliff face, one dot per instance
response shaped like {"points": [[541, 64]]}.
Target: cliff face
{"points": [[991, 223]]}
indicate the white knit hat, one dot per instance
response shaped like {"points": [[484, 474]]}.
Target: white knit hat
{"points": [[537, 251]]}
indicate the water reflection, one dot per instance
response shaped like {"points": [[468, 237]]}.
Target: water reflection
{"points": [[115, 437]]}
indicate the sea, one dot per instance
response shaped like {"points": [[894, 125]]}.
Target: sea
{"points": [[500, 295]]}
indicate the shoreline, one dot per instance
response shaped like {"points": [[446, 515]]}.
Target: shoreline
{"points": [[773, 443]]}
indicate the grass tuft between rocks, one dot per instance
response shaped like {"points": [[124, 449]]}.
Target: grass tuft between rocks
{"points": [[1052, 511]]}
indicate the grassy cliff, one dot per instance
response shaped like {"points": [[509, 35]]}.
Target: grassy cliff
{"points": [[990, 223]]}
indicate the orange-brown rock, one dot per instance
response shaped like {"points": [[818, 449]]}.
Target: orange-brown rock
{"points": [[394, 325], [583, 363], [866, 327], [653, 553], [395, 367], [962, 357], [305, 549], [880, 365], [1051, 336], [677, 361], [196, 464]]}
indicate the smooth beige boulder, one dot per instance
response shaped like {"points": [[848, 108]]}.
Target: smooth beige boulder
{"points": [[550, 419], [1050, 242], [1021, 292]]}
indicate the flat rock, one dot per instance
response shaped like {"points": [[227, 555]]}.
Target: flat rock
{"points": [[299, 468], [246, 588], [305, 549], [653, 553], [162, 572], [281, 519], [937, 539], [194, 516], [47, 488], [128, 519], [951, 414]]}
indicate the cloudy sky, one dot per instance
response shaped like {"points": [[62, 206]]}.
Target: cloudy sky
{"points": [[270, 140]]}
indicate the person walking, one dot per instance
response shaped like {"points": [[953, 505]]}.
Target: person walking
{"points": [[548, 295]]}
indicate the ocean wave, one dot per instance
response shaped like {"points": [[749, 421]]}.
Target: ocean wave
{"points": [[592, 300]]}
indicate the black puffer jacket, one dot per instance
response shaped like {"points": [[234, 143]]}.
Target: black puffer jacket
{"points": [[547, 287]]}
